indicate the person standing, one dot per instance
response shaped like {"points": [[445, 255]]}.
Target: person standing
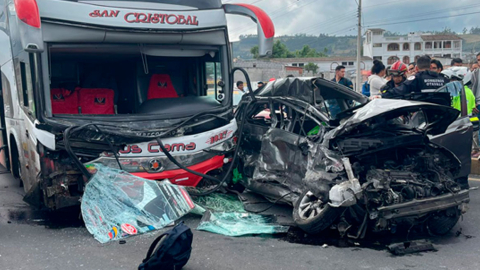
{"points": [[376, 80], [411, 69], [340, 77], [397, 71], [456, 62], [475, 86], [436, 66], [260, 85], [240, 86], [424, 79], [474, 67]]}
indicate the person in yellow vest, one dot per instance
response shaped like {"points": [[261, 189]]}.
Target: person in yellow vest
{"points": [[457, 81], [461, 77]]}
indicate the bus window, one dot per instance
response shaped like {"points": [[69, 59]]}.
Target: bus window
{"points": [[213, 74], [7, 96], [27, 75]]}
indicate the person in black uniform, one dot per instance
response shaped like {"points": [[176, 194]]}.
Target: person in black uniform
{"points": [[424, 79]]}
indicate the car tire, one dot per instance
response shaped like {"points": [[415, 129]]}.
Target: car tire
{"points": [[313, 216], [443, 222]]}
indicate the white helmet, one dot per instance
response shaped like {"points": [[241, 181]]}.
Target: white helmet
{"points": [[467, 78], [448, 73], [458, 73]]}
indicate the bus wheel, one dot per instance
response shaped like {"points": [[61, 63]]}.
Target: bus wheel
{"points": [[16, 165]]}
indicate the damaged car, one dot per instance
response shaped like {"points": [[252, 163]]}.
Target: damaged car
{"points": [[352, 164]]}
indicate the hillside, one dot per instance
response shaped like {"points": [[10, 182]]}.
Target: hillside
{"points": [[336, 46]]}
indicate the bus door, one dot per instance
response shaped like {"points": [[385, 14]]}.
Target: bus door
{"points": [[4, 157], [28, 144]]}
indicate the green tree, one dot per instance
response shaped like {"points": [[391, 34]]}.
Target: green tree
{"points": [[254, 52], [465, 30], [311, 67], [306, 51], [280, 50]]}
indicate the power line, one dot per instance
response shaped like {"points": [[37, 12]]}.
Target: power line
{"points": [[384, 3], [425, 19], [422, 14]]}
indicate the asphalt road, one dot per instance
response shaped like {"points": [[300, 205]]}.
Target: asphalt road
{"points": [[31, 239]]}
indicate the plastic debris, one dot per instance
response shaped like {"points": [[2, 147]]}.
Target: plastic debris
{"points": [[411, 247], [240, 224], [116, 204]]}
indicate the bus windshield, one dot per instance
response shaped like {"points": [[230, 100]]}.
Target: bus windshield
{"points": [[134, 79]]}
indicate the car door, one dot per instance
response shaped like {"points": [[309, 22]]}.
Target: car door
{"points": [[458, 138]]}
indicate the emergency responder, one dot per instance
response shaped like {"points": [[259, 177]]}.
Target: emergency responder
{"points": [[459, 75], [398, 73], [424, 79], [462, 77]]}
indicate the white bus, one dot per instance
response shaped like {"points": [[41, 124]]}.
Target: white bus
{"points": [[84, 79]]}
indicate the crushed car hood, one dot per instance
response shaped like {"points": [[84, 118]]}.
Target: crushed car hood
{"points": [[439, 117]]}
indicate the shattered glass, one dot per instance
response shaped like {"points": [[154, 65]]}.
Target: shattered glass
{"points": [[117, 205], [240, 224], [218, 202]]}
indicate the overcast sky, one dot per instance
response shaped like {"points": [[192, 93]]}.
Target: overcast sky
{"points": [[338, 17]]}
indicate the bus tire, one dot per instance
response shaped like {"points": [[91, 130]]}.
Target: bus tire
{"points": [[15, 159]]}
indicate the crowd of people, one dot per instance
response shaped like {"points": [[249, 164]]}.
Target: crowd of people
{"points": [[401, 80]]}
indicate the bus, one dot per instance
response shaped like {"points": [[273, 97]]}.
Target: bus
{"points": [[101, 81]]}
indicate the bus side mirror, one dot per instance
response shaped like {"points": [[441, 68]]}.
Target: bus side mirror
{"points": [[266, 29], [29, 25]]}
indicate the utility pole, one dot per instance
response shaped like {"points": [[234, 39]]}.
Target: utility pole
{"points": [[359, 48]]}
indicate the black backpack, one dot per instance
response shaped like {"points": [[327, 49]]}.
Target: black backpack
{"points": [[173, 252]]}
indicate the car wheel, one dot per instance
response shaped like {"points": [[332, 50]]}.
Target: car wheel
{"points": [[312, 215], [443, 222]]}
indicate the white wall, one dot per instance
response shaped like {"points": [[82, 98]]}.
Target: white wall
{"points": [[411, 53]]}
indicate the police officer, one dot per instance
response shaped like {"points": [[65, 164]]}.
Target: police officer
{"points": [[424, 79]]}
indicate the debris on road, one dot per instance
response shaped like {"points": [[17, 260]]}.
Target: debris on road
{"points": [[218, 202], [240, 224], [226, 215], [117, 205], [411, 247]]}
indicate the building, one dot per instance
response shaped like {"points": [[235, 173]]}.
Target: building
{"points": [[260, 70], [408, 48], [328, 64], [264, 69]]}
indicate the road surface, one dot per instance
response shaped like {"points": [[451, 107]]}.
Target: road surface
{"points": [[31, 239]]}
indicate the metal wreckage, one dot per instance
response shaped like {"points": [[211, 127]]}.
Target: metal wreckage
{"points": [[356, 165], [343, 162], [340, 160]]}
